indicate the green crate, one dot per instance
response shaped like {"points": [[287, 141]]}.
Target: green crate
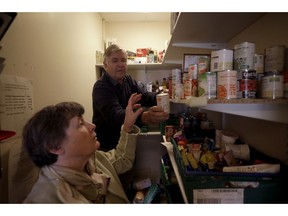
{"points": [[272, 188]]}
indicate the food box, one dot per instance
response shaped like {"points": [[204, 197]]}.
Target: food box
{"points": [[141, 52], [232, 187]]}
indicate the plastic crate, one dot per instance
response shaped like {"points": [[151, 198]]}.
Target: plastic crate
{"points": [[271, 188]]}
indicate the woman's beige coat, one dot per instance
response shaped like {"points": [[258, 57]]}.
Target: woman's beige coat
{"points": [[63, 185]]}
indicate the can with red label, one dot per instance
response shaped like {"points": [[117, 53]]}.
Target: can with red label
{"points": [[227, 84], [170, 130], [246, 83], [192, 71]]}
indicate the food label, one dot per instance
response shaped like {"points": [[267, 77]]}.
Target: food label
{"points": [[163, 101], [227, 84], [219, 195]]}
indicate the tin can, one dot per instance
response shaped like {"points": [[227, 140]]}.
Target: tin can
{"points": [[272, 85], [258, 63], [192, 71], [170, 130], [203, 64], [163, 101], [227, 84], [259, 77], [244, 56], [274, 58], [176, 76], [191, 84], [246, 83], [221, 60], [187, 85], [207, 84], [179, 91]]}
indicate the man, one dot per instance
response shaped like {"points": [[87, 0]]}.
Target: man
{"points": [[110, 97]]}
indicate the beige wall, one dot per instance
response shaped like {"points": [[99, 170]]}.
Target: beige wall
{"points": [[133, 35], [57, 52]]}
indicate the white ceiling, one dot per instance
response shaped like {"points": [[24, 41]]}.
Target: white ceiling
{"points": [[135, 17]]}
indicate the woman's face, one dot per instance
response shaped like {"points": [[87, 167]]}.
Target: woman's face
{"points": [[81, 139], [116, 65]]}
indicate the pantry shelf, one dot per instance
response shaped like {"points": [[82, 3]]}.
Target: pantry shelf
{"points": [[148, 66], [248, 101], [274, 110]]}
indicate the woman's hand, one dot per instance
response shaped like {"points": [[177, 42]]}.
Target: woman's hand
{"points": [[133, 110]]}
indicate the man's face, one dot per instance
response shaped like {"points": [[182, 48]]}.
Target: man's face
{"points": [[116, 65]]}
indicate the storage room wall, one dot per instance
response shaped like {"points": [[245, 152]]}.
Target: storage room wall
{"points": [[270, 30], [57, 52], [268, 137], [133, 35]]}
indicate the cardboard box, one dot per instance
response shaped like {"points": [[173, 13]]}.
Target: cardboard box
{"points": [[141, 52]]}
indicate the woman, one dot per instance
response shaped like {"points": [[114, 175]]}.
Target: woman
{"points": [[64, 145]]}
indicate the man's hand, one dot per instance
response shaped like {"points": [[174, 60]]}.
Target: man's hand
{"points": [[154, 115]]}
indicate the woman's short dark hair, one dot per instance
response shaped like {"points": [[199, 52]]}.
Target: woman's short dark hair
{"points": [[45, 131]]}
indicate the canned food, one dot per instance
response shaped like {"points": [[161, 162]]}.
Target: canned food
{"points": [[170, 130], [244, 55], [259, 63], [192, 71], [246, 83], [274, 58], [207, 84], [176, 76], [203, 64], [179, 91], [163, 101], [272, 85], [221, 60], [226, 84]]}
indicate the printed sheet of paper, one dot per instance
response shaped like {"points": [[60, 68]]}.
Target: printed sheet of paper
{"points": [[16, 102]]}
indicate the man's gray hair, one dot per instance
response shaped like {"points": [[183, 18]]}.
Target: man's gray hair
{"points": [[112, 49]]}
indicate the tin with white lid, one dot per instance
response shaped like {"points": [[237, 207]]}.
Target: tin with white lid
{"points": [[244, 55]]}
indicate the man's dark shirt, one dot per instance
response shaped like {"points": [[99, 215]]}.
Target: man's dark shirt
{"points": [[109, 103]]}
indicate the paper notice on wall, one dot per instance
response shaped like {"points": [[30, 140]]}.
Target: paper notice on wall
{"points": [[16, 102]]}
